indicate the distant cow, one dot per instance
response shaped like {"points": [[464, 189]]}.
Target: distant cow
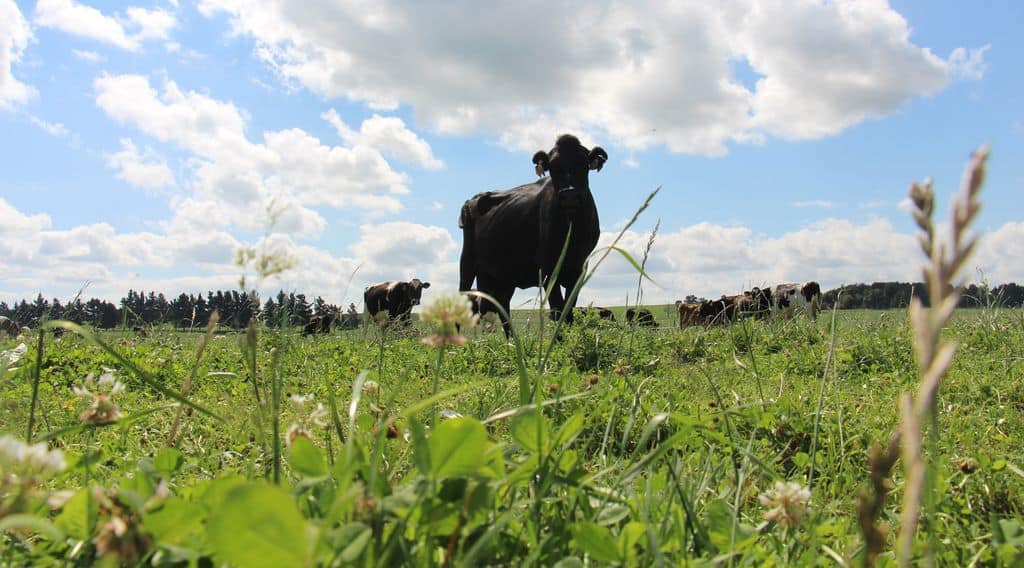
{"points": [[603, 313], [788, 299], [511, 237], [640, 316], [395, 298], [318, 324], [9, 326], [689, 314], [758, 302], [720, 311]]}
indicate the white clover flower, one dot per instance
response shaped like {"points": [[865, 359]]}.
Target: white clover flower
{"points": [[371, 387], [788, 502], [300, 400], [318, 417], [102, 410], [446, 313], [35, 458], [448, 414]]}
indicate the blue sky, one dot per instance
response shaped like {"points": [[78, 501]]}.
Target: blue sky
{"points": [[142, 145]]}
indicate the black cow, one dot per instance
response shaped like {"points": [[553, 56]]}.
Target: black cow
{"points": [[394, 297], [603, 313], [640, 316], [318, 324], [510, 237]]}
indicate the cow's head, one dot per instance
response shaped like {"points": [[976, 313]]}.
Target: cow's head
{"points": [[416, 287], [569, 164]]}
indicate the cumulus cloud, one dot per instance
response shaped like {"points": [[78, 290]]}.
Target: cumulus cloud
{"points": [[819, 203], [641, 74], [14, 37], [709, 260], [34, 256], [389, 135], [146, 169], [280, 178], [126, 32]]}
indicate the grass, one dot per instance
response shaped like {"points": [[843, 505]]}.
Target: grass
{"points": [[642, 447]]}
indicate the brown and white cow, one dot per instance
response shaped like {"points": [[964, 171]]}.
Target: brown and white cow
{"points": [[689, 314], [790, 299]]}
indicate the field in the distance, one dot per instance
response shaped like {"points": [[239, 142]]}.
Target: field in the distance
{"points": [[653, 446]]}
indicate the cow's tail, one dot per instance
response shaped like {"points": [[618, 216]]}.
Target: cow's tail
{"points": [[467, 261]]}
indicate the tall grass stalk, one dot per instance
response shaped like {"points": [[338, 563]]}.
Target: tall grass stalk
{"points": [[829, 361], [36, 372], [934, 356], [186, 387]]}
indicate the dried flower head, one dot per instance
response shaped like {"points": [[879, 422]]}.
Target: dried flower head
{"points": [[102, 410], [371, 387], [788, 503], [306, 421], [446, 313]]}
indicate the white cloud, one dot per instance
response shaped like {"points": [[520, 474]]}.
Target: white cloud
{"points": [[14, 37], [820, 203], [969, 63], [708, 260], [287, 174], [126, 32], [51, 128], [89, 56], [389, 135], [640, 74], [404, 246], [436, 206], [145, 170]]}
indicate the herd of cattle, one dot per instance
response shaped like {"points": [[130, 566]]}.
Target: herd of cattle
{"points": [[549, 228]]}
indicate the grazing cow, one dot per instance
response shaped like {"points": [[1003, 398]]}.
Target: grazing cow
{"points": [[640, 316], [722, 310], [603, 313], [138, 330], [318, 324], [9, 326], [511, 237], [788, 299], [689, 314], [758, 302], [394, 297]]}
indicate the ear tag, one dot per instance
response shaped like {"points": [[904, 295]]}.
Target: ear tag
{"points": [[540, 170]]}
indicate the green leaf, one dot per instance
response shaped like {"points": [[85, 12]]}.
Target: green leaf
{"points": [[570, 429], [168, 461], [357, 535], [530, 431], [175, 522], [457, 447], [32, 524], [259, 525], [596, 541], [306, 459], [73, 521]]}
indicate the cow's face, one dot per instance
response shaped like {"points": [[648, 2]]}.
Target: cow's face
{"points": [[569, 164], [416, 288]]}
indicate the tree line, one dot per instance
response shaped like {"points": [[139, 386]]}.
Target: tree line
{"points": [[238, 308], [138, 308]]}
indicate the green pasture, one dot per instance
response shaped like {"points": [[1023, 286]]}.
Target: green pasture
{"points": [[641, 447]]}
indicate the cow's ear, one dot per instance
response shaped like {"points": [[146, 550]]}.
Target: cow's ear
{"points": [[541, 162], [597, 158], [426, 285]]}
